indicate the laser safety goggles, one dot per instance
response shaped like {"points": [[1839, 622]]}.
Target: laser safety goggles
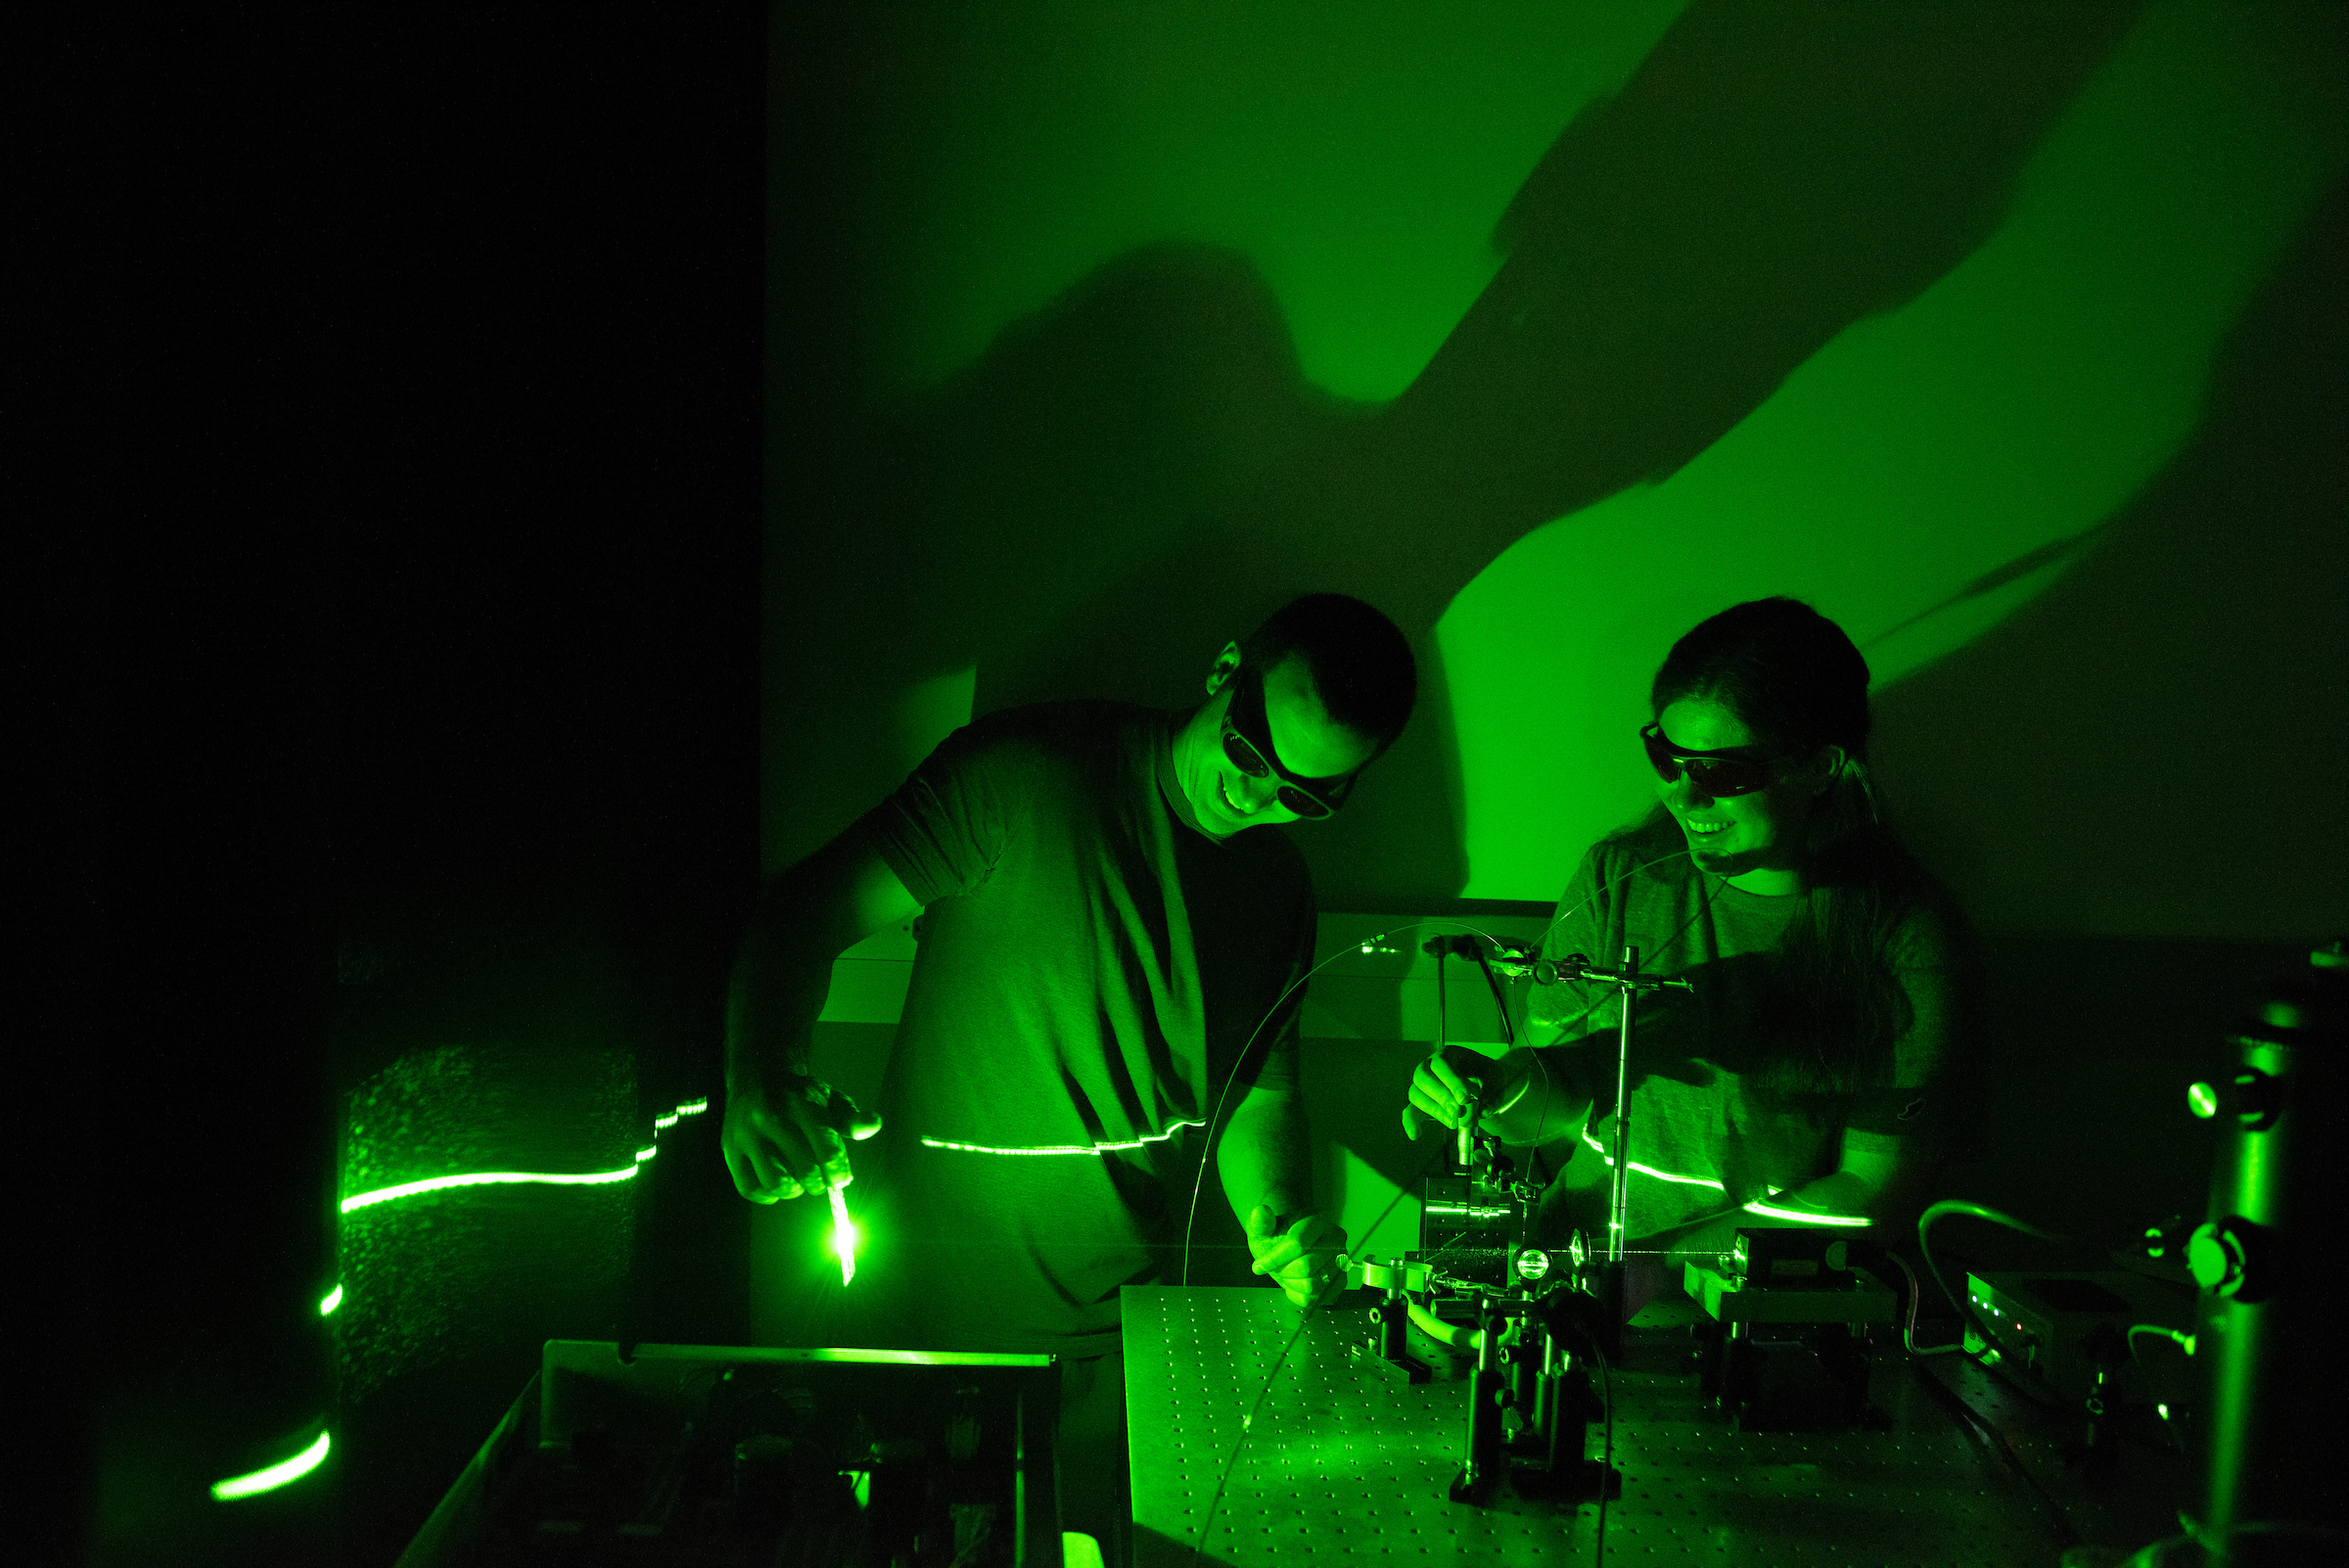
{"points": [[1248, 742], [1736, 770]]}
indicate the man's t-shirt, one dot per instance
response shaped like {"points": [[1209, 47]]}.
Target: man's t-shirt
{"points": [[1712, 1127], [1090, 968]]}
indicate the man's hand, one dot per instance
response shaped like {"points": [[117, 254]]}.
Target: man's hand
{"points": [[782, 1136], [1308, 1261]]}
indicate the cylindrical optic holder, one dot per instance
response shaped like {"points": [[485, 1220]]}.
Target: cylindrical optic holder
{"points": [[2270, 1327]]}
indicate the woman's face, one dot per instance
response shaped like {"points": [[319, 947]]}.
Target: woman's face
{"points": [[1756, 839]]}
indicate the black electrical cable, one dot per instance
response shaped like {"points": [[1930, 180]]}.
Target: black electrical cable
{"points": [[1247, 1423], [1207, 1154], [1924, 1246], [1501, 1001], [1959, 1411], [1215, 1116], [1443, 1013], [1949, 1398]]}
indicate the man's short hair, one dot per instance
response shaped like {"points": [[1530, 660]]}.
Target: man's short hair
{"points": [[1360, 660]]}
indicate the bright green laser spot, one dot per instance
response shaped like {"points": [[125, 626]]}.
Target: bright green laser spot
{"points": [[334, 1299], [647, 1153], [275, 1476], [671, 1120], [484, 1178], [694, 1107], [844, 1235]]}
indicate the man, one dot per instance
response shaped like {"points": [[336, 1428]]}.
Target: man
{"points": [[1109, 955]]}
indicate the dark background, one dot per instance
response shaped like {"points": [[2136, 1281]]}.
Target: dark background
{"points": [[399, 705]]}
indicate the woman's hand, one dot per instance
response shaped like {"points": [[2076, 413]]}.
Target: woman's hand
{"points": [[1447, 1089]]}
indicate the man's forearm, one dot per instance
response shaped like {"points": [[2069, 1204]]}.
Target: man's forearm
{"points": [[1263, 1157], [780, 979]]}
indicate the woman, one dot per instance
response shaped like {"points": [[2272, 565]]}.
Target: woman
{"points": [[1797, 1082]]}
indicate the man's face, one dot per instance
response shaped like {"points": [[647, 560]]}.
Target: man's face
{"points": [[1308, 743]]}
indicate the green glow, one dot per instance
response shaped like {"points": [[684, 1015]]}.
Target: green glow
{"points": [[275, 1476], [1651, 1171], [671, 1120], [334, 1299], [694, 1107], [1769, 1212], [485, 1179], [1756, 1207], [844, 1235], [647, 1152], [2177, 1337], [1063, 1148]]}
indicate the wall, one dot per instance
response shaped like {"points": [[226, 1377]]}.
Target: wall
{"points": [[1098, 331], [2010, 334]]}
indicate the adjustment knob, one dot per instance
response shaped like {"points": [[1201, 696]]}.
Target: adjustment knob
{"points": [[2252, 1097], [2166, 1239], [2227, 1256]]}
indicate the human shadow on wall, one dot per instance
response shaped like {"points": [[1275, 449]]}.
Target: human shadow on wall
{"points": [[2105, 761], [1086, 443], [2117, 780], [1141, 472]]}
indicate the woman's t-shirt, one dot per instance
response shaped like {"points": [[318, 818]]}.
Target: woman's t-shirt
{"points": [[1713, 1127]]}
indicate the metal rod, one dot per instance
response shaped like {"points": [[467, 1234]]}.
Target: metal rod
{"points": [[1619, 1196]]}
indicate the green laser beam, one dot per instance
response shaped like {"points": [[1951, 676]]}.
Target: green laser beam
{"points": [[273, 1477], [1763, 1209], [484, 1178], [1651, 1171], [1768, 1211], [1063, 1148], [334, 1299], [480, 1178]]}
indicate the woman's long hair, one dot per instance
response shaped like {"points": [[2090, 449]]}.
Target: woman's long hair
{"points": [[1794, 679]]}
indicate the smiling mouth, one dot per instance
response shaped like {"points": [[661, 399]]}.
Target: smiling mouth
{"points": [[1223, 796], [1701, 829]]}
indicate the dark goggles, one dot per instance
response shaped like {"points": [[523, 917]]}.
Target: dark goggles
{"points": [[1714, 774], [1248, 742]]}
